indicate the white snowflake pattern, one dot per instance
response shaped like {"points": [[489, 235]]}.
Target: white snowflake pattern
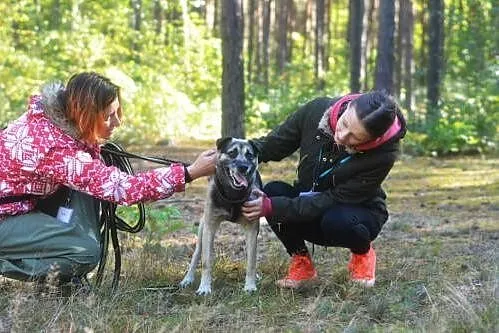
{"points": [[75, 165], [166, 185], [116, 186], [18, 142], [3, 186]]}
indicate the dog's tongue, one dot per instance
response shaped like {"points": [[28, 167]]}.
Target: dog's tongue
{"points": [[241, 180]]}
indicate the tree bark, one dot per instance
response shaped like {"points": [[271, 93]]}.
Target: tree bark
{"points": [[370, 25], [265, 44], [232, 31], [406, 33], [282, 35], [252, 28], [158, 16], [384, 60], [319, 44], [435, 57], [355, 37]]}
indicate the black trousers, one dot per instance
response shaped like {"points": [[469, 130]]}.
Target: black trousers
{"points": [[344, 225]]}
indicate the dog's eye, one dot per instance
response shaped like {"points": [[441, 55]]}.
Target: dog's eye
{"points": [[250, 155], [232, 153]]}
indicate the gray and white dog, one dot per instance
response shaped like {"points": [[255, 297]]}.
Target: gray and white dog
{"points": [[235, 178]]}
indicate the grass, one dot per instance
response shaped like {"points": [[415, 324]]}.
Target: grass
{"points": [[437, 269]]}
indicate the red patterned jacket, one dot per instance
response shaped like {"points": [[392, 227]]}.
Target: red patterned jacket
{"points": [[39, 152]]}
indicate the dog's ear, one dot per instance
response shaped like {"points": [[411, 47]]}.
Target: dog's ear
{"points": [[222, 142], [255, 147]]}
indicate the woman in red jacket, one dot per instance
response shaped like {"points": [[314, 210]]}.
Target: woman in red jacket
{"points": [[56, 143]]}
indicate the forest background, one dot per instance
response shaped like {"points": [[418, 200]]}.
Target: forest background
{"points": [[192, 71], [438, 58]]}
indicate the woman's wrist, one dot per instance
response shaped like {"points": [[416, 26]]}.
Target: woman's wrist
{"points": [[266, 206], [188, 175]]}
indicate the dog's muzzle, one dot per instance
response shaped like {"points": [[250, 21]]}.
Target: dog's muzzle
{"points": [[240, 174]]}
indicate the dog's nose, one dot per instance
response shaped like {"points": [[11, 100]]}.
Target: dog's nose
{"points": [[242, 168]]}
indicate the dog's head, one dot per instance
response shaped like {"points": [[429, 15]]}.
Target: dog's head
{"points": [[237, 163]]}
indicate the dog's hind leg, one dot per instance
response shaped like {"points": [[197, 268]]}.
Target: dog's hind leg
{"points": [[251, 230], [207, 254], [189, 276]]}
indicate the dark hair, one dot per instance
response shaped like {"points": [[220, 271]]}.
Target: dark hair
{"points": [[86, 96], [377, 111]]}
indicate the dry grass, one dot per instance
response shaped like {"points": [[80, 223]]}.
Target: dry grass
{"points": [[437, 269]]}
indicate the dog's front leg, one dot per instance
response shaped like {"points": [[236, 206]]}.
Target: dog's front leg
{"points": [[210, 229], [251, 229], [189, 276]]}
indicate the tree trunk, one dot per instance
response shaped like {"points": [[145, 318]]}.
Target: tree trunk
{"points": [[435, 56], [252, 27], [328, 35], [282, 35], [137, 14], [216, 17], [355, 36], [136, 25], [55, 18], [158, 16], [306, 25], [423, 52], [232, 31], [370, 39], [397, 77], [291, 24], [265, 45], [384, 59], [406, 33], [319, 44]]}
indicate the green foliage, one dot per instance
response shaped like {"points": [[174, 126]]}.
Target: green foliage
{"points": [[159, 221], [467, 125], [171, 77]]}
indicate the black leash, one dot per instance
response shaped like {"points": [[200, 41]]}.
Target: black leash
{"points": [[114, 154]]}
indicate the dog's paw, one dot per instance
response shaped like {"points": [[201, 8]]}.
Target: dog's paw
{"points": [[187, 281], [250, 287], [203, 291]]}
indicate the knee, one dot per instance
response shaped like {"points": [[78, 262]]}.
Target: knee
{"points": [[93, 253], [88, 253]]}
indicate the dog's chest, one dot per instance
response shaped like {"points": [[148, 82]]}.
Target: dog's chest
{"points": [[230, 211]]}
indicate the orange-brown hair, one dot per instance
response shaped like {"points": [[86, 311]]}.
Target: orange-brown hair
{"points": [[87, 96]]}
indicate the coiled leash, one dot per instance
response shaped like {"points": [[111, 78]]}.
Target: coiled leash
{"points": [[110, 223]]}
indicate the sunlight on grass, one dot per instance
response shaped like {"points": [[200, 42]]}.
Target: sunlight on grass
{"points": [[437, 268]]}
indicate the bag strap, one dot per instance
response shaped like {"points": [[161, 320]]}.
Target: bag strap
{"points": [[16, 198]]}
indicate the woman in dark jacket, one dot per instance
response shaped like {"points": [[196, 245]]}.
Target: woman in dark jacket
{"points": [[347, 147]]}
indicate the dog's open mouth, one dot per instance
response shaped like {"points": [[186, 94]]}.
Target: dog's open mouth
{"points": [[238, 180]]}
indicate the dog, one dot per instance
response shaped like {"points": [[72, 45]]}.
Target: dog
{"points": [[236, 176]]}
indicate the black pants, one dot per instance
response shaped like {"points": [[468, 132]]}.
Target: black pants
{"points": [[344, 225]]}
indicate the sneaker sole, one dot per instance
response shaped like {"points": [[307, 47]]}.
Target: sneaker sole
{"points": [[295, 284], [366, 283]]}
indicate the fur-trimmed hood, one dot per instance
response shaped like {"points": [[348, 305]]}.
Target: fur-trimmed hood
{"points": [[54, 108], [324, 124]]}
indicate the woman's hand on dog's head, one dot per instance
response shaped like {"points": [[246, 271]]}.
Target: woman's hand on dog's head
{"points": [[204, 165]]}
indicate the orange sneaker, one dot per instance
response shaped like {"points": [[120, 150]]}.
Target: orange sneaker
{"points": [[301, 270], [362, 268]]}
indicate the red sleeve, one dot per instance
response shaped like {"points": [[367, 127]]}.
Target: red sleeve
{"points": [[78, 170]]}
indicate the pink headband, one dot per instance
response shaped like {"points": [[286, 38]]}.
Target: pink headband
{"points": [[390, 132]]}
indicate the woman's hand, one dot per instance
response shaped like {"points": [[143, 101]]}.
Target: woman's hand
{"points": [[204, 165], [254, 209]]}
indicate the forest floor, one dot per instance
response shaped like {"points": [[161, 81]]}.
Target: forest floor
{"points": [[438, 265]]}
